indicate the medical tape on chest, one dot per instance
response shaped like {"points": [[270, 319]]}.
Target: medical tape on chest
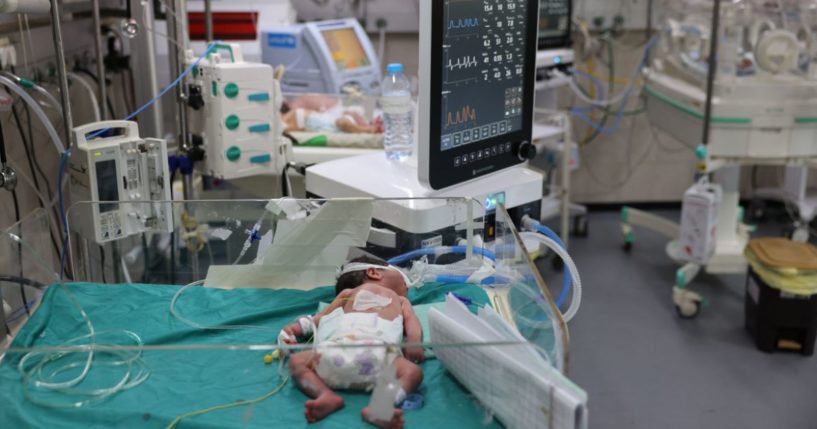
{"points": [[366, 300]]}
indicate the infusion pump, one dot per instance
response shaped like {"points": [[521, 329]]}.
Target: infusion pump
{"points": [[126, 175], [234, 113]]}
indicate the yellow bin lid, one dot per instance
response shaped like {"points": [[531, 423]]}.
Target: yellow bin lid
{"points": [[783, 253]]}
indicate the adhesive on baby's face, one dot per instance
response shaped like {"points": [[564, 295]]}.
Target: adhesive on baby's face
{"points": [[365, 300]]}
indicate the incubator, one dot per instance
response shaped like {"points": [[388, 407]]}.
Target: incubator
{"points": [[765, 88], [178, 328]]}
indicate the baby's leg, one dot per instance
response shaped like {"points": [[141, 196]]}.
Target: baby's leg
{"points": [[324, 401], [409, 375]]}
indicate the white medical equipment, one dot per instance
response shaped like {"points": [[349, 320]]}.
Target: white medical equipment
{"points": [[472, 123], [113, 171], [699, 222], [238, 123], [763, 108], [323, 57]]}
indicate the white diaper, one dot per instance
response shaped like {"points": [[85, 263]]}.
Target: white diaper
{"points": [[355, 367]]}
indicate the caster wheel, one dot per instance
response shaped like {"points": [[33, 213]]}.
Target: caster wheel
{"points": [[688, 310], [628, 246], [580, 226], [795, 233], [557, 263]]}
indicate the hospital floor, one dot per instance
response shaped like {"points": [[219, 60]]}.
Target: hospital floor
{"points": [[645, 367]]}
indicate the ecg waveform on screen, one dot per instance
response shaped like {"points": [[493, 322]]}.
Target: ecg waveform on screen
{"points": [[462, 116], [466, 62], [463, 23]]}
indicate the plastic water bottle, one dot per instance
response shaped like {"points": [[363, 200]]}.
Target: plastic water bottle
{"points": [[398, 137]]}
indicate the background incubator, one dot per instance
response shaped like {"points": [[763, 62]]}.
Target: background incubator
{"points": [[753, 93]]}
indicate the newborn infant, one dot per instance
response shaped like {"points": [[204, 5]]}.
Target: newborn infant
{"points": [[370, 308], [320, 113]]}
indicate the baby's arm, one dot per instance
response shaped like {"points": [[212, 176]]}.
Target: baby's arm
{"points": [[414, 332], [339, 301], [294, 329]]}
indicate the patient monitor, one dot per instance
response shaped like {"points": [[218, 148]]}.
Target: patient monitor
{"points": [[327, 57], [477, 63], [476, 107]]}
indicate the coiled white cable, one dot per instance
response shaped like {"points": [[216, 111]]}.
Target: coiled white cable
{"points": [[40, 370], [576, 297]]}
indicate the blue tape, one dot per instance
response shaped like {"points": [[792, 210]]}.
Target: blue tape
{"points": [[413, 401]]}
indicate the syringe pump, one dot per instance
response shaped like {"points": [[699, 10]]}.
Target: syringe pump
{"points": [[126, 175]]}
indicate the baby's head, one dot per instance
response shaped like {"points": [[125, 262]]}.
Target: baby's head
{"points": [[385, 277]]}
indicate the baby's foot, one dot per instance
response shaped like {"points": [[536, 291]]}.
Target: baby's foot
{"points": [[322, 406], [396, 421]]}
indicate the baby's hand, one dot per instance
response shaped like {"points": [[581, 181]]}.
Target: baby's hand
{"points": [[415, 354], [293, 332]]}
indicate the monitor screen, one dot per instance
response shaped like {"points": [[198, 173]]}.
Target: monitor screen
{"points": [[345, 47], [483, 71], [477, 75], [107, 185], [554, 21]]}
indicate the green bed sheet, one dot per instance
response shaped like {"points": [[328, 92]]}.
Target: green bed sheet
{"points": [[184, 381]]}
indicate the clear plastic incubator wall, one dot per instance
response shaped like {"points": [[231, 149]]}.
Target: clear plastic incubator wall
{"points": [[179, 328], [765, 92]]}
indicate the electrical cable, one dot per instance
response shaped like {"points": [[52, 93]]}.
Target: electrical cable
{"points": [[63, 217], [23, 280], [19, 246]]}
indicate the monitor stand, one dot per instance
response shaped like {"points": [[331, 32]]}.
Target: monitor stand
{"points": [[407, 223]]}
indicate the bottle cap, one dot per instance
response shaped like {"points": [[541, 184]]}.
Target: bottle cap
{"points": [[394, 68]]}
